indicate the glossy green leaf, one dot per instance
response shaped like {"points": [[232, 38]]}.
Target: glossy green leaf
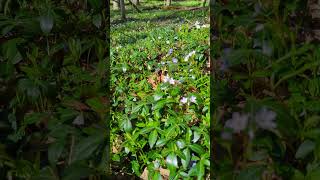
{"points": [[153, 138]]}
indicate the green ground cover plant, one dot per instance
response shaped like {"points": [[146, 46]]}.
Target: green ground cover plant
{"points": [[53, 97], [266, 79], [160, 86]]}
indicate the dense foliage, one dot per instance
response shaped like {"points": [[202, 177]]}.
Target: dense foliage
{"points": [[266, 91], [53, 89], [160, 86]]}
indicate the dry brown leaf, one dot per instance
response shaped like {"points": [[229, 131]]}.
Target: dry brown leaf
{"points": [[152, 82], [144, 175], [155, 79], [163, 172], [77, 105]]}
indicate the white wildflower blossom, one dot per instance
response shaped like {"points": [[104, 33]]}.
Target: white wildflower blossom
{"points": [[79, 120], [265, 119], [184, 100], [197, 25], [259, 27], [166, 78], [175, 60], [238, 122], [189, 55], [193, 99], [124, 69], [172, 81]]}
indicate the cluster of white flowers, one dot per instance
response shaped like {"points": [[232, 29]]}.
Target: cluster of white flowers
{"points": [[169, 79], [189, 55], [198, 26], [185, 100], [264, 119]]}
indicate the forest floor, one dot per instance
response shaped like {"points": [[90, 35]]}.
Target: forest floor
{"points": [[160, 85]]}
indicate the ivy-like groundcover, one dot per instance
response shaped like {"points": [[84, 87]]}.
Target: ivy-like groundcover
{"points": [[266, 90], [160, 86], [53, 89]]}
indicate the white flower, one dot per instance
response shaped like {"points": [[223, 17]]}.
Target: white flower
{"points": [[157, 97], [265, 119], [238, 122], [184, 100], [197, 24], [175, 60], [79, 120], [259, 27], [134, 99], [193, 77], [168, 42], [205, 25], [159, 37], [163, 63], [166, 78], [124, 69], [189, 55], [171, 81], [193, 99]]}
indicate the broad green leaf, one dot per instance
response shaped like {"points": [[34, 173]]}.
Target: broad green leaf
{"points": [[45, 173], [304, 149], [201, 170], [313, 175], [181, 143], [172, 160], [86, 147], [196, 136], [136, 167], [126, 125], [153, 138], [161, 142], [185, 162], [77, 171], [252, 173], [157, 176], [55, 150], [46, 23], [197, 148], [96, 105], [96, 20]]}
